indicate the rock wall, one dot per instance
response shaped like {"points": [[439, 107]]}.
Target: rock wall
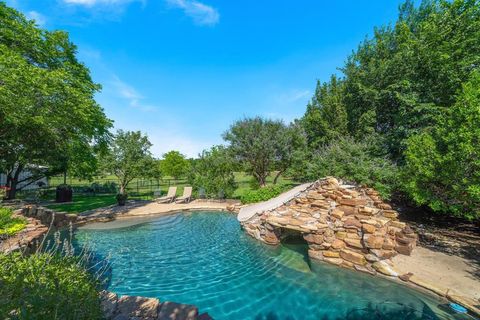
{"points": [[48, 216], [343, 225], [39, 220]]}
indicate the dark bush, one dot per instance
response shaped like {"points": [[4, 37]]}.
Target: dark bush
{"points": [[356, 162], [262, 194]]}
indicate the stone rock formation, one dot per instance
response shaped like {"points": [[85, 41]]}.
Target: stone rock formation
{"points": [[40, 221], [343, 225]]}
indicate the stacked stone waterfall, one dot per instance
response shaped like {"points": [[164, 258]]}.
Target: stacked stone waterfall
{"points": [[343, 225]]}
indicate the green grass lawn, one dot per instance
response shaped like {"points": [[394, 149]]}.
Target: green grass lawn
{"points": [[140, 190], [82, 203]]}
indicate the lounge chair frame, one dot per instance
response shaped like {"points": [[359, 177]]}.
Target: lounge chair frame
{"points": [[170, 197], [187, 196]]}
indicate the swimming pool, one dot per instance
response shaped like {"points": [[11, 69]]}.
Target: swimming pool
{"points": [[205, 259]]}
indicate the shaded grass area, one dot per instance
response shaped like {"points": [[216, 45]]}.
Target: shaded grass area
{"points": [[143, 190]]}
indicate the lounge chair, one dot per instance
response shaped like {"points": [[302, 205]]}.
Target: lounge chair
{"points": [[187, 196], [172, 191]]}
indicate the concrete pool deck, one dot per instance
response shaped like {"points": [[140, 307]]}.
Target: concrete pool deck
{"points": [[450, 276]]}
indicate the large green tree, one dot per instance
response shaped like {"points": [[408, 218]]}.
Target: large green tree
{"points": [[264, 146], [326, 117], [443, 162], [174, 164], [49, 120], [129, 157], [213, 172], [399, 86], [399, 81], [291, 148]]}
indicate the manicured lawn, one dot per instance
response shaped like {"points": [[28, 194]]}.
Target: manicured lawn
{"points": [[82, 203]]}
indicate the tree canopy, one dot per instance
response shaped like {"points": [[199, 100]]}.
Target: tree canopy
{"points": [[397, 82], [129, 157], [264, 145], [174, 164], [402, 87], [443, 162], [48, 115], [213, 172]]}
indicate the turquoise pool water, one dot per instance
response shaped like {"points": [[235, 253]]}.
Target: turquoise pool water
{"points": [[206, 259]]}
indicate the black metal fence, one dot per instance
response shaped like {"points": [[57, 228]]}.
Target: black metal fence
{"points": [[136, 188]]}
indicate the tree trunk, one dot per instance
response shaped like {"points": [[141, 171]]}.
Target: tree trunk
{"points": [[12, 188], [279, 173], [12, 180], [262, 181]]}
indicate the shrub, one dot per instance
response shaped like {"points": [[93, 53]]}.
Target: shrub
{"points": [[46, 286], [3, 192], [261, 194], [213, 172], [107, 187], [357, 162], [10, 225], [442, 167]]}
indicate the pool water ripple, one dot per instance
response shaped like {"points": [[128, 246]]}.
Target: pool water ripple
{"points": [[206, 259]]}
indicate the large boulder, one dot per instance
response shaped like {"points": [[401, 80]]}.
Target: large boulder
{"points": [[353, 257]]}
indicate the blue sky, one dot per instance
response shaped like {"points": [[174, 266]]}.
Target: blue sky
{"points": [[182, 71]]}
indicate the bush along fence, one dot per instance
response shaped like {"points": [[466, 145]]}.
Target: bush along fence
{"points": [[101, 186]]}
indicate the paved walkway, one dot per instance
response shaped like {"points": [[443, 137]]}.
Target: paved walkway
{"points": [[248, 212]]}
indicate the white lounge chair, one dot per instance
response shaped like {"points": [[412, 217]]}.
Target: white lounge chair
{"points": [[172, 191], [187, 196]]}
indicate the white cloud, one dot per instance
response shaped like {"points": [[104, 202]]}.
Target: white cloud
{"points": [[133, 97], [38, 17], [293, 95], [201, 13]]}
